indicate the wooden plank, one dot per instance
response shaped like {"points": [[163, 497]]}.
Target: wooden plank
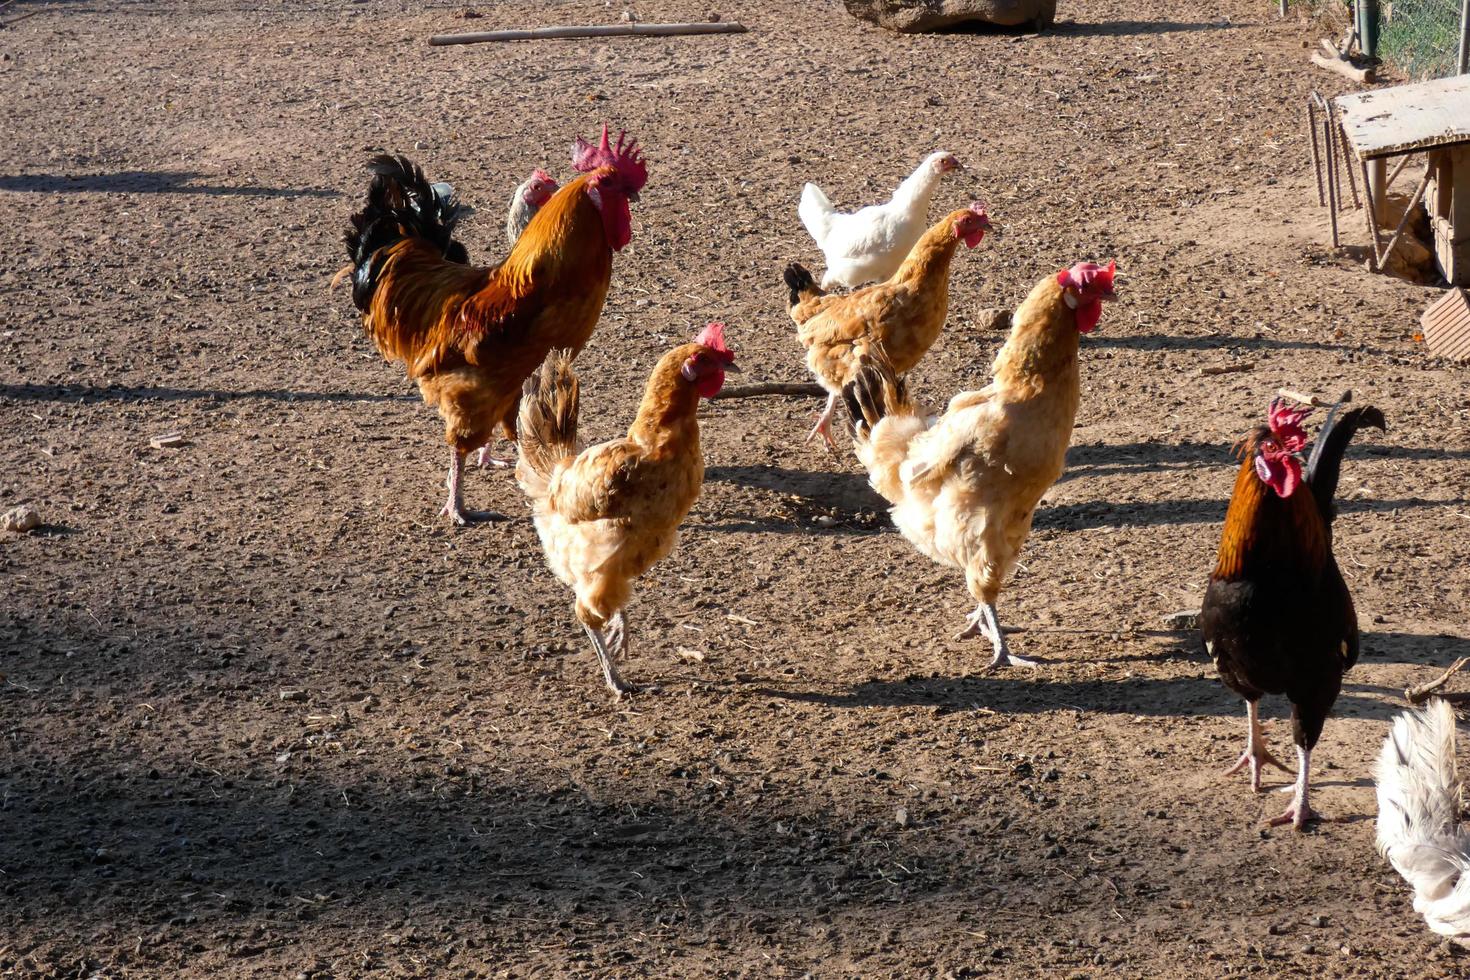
{"points": [[1407, 118], [1447, 325]]}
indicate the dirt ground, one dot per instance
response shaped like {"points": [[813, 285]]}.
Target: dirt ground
{"points": [[266, 715]]}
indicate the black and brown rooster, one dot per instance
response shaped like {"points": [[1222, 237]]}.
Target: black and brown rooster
{"points": [[1277, 617]]}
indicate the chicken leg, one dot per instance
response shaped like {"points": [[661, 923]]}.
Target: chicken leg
{"points": [[1256, 755], [615, 640], [454, 507], [1300, 811], [824, 424], [983, 622]]}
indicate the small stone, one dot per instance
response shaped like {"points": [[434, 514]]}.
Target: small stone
{"points": [[293, 695], [21, 519], [629, 17], [901, 817], [823, 520], [1320, 921], [1184, 619], [1276, 929], [714, 18]]}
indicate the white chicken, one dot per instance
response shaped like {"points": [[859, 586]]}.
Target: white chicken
{"points": [[533, 192], [1419, 828], [869, 245]]}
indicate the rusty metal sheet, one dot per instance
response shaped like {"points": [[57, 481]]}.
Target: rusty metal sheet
{"points": [[1388, 122]]}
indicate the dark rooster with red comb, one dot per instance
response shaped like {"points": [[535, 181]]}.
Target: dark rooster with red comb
{"points": [[470, 336], [1277, 617]]}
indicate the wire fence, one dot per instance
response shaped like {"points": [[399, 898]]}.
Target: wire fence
{"points": [[1421, 38]]}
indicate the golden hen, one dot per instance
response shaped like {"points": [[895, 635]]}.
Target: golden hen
{"points": [[606, 514], [964, 486], [904, 314]]}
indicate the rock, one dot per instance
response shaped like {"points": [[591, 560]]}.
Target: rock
{"points": [[1184, 619], [992, 320], [918, 16], [901, 817], [21, 519]]}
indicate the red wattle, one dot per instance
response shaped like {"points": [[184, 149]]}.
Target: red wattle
{"points": [[709, 386], [1088, 314], [617, 220]]}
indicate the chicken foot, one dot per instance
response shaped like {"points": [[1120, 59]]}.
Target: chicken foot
{"points": [[1256, 755], [484, 459], [454, 506], [1300, 811], [607, 645], [983, 622], [824, 424]]}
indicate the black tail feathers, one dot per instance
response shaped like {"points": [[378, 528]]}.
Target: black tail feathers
{"points": [[1324, 466], [800, 282], [401, 203], [877, 391]]}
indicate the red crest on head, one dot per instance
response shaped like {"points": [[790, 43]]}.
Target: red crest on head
{"points": [[1286, 424], [625, 156], [713, 337], [1085, 274], [543, 176]]}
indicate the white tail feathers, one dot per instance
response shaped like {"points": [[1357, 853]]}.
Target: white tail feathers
{"points": [[1419, 796], [816, 213]]}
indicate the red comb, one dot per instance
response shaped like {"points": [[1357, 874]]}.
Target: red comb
{"points": [[713, 337], [539, 174], [625, 156], [1084, 274], [1286, 424]]}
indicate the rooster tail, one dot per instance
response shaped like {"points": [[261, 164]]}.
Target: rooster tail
{"points": [[401, 203], [1325, 464], [801, 283], [546, 426], [884, 421], [1418, 816], [816, 213]]}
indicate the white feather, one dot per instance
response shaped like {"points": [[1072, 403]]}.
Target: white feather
{"points": [[1419, 831]]}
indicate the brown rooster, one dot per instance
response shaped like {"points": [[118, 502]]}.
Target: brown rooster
{"points": [[469, 336], [1277, 617], [904, 314], [606, 514]]}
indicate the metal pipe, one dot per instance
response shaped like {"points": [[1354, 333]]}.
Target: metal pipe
{"points": [[1368, 27], [1462, 65]]}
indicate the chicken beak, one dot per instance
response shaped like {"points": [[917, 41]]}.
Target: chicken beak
{"points": [[730, 368], [633, 197]]}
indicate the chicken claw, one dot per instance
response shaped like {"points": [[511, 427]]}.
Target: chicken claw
{"points": [[1256, 755], [983, 622], [824, 425], [1300, 812], [485, 460]]}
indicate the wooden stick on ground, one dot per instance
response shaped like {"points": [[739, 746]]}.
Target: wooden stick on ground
{"points": [[1316, 401], [1422, 693], [793, 390], [1362, 76], [599, 30], [1228, 368]]}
